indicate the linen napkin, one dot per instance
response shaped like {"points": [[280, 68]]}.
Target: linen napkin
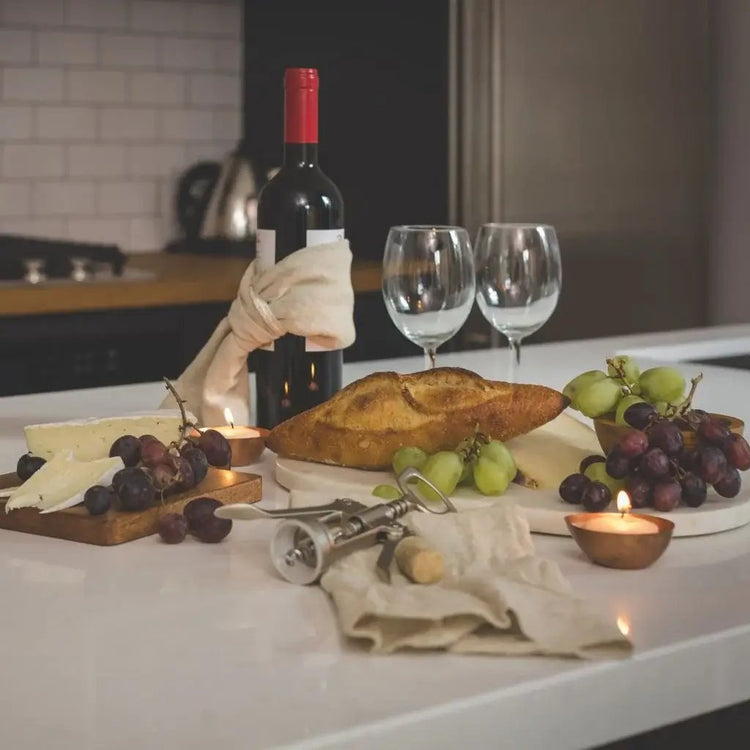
{"points": [[308, 293], [496, 597]]}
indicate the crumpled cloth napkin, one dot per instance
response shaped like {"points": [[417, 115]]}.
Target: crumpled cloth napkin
{"points": [[496, 597], [309, 293]]}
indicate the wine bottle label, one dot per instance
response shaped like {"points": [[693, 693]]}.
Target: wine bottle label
{"points": [[265, 257]]}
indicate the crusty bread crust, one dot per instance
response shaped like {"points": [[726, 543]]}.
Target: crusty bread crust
{"points": [[363, 425]]}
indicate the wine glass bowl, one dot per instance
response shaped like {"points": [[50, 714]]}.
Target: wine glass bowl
{"points": [[518, 279], [428, 283]]}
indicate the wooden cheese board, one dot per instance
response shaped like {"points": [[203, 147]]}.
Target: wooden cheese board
{"points": [[115, 526]]}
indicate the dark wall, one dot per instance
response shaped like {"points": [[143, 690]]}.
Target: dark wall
{"points": [[383, 103]]}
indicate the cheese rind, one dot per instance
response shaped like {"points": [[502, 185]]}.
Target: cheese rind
{"points": [[62, 482], [89, 439]]}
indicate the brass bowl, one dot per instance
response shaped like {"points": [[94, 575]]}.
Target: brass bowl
{"points": [[609, 432], [245, 450], [625, 551]]}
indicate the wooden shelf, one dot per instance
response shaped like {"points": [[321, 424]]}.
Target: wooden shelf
{"points": [[179, 280]]}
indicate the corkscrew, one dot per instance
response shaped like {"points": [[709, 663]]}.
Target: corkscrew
{"points": [[309, 539]]}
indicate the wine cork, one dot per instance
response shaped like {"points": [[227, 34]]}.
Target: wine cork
{"points": [[417, 561]]}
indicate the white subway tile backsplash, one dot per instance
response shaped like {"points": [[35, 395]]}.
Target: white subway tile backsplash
{"points": [[185, 125], [187, 54], [157, 88], [137, 198], [64, 199], [127, 124], [214, 89], [226, 124], [66, 47], [106, 86], [97, 14], [34, 226], [15, 122], [15, 46], [15, 199], [33, 12], [130, 51], [155, 161], [32, 84], [158, 15], [98, 230], [104, 104], [215, 18], [65, 123], [32, 160], [96, 160]]}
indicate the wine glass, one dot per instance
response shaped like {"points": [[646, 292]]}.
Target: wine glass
{"points": [[428, 283], [518, 280]]}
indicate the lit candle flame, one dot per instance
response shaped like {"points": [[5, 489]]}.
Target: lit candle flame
{"points": [[312, 370], [229, 417], [623, 625], [623, 502], [286, 387]]}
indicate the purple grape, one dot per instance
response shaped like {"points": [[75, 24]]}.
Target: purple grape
{"points": [[713, 430], [633, 443], [667, 494], [639, 490], [123, 474], [154, 452], [596, 497], [572, 487], [185, 477], [654, 463], [197, 459], [136, 492], [98, 499], [586, 462], [687, 459], [667, 436], [28, 465], [693, 490], [729, 485], [618, 465], [172, 527], [197, 509], [212, 529], [128, 448], [710, 464], [640, 415], [163, 476], [216, 447], [737, 451]]}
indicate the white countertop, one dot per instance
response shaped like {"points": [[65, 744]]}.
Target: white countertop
{"points": [[202, 646]]}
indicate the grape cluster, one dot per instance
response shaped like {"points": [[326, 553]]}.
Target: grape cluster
{"points": [[477, 461], [652, 463]]}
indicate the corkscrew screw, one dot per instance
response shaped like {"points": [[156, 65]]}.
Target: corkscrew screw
{"points": [[309, 539]]}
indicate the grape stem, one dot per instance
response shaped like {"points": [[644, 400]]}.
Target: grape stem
{"points": [[616, 365], [181, 404], [687, 404]]}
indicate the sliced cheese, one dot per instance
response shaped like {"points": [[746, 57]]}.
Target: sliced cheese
{"points": [[550, 453], [62, 482], [89, 439]]}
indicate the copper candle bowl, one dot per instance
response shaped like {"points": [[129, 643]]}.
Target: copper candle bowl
{"points": [[615, 550], [247, 450]]}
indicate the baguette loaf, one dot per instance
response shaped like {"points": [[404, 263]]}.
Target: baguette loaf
{"points": [[362, 425]]}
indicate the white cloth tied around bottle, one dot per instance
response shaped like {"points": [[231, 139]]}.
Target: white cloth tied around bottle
{"points": [[497, 595], [309, 293]]}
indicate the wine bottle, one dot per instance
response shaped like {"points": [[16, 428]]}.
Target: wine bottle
{"points": [[300, 206]]}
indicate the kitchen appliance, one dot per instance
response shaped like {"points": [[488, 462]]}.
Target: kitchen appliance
{"points": [[217, 206]]}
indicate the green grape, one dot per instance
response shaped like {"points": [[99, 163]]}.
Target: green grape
{"points": [[599, 397], [443, 469], [490, 477], [410, 457], [579, 382], [661, 407], [499, 453], [628, 365], [625, 402], [598, 473], [662, 384], [387, 492]]}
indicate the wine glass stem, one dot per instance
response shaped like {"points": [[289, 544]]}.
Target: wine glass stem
{"points": [[515, 358], [429, 359]]}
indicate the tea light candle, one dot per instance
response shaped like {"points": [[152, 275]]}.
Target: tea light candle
{"points": [[247, 443], [621, 522]]}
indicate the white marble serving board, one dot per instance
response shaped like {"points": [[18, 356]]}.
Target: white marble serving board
{"points": [[544, 509]]}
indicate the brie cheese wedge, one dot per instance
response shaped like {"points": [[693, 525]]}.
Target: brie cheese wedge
{"points": [[62, 482], [551, 452], [89, 439]]}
